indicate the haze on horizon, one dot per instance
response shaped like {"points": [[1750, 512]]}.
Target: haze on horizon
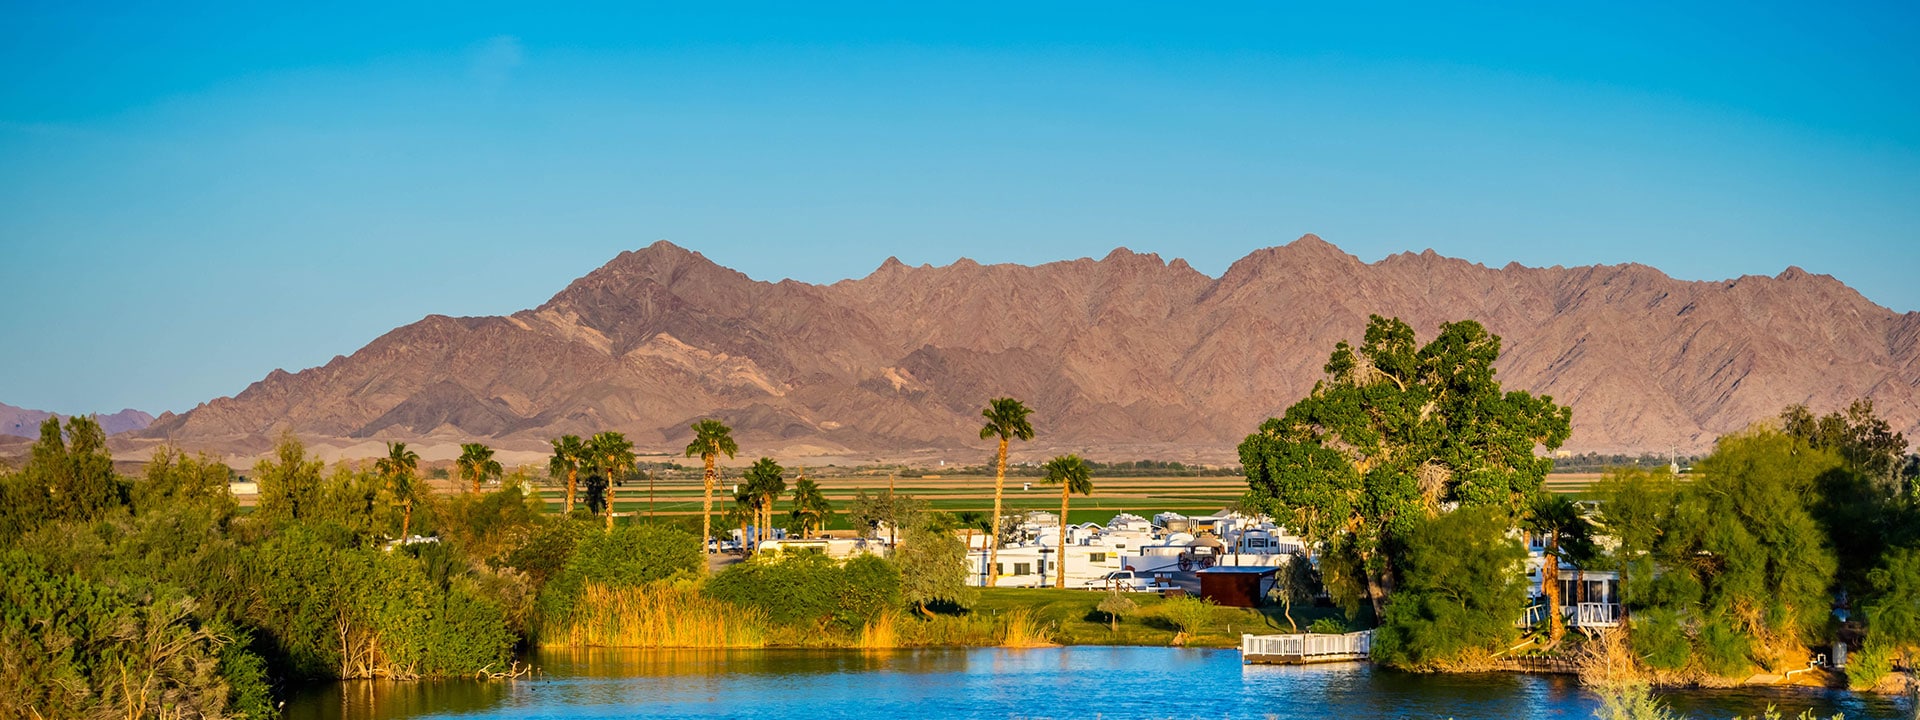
{"points": [[189, 200]]}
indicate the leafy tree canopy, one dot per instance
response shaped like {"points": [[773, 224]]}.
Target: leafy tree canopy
{"points": [[1396, 432]]}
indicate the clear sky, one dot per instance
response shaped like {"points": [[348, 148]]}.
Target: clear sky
{"points": [[194, 194]]}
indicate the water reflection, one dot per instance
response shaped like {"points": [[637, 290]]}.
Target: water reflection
{"points": [[1118, 682]]}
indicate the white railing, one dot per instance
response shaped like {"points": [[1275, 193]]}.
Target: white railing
{"points": [[1533, 616], [1309, 645], [1596, 614]]}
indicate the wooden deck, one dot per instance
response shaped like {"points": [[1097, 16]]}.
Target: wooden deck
{"points": [[1305, 649]]}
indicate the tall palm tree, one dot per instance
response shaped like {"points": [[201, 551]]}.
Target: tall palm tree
{"points": [[400, 467], [765, 482], [1073, 476], [569, 455], [1568, 535], [476, 462], [711, 439], [612, 455], [810, 506], [971, 521], [1006, 420]]}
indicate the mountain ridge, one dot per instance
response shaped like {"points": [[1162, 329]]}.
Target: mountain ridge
{"points": [[1126, 353]]}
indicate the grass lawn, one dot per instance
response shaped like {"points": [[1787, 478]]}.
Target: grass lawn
{"points": [[1076, 621]]}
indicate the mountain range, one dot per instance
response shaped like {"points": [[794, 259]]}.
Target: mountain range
{"points": [[22, 422], [1124, 357]]}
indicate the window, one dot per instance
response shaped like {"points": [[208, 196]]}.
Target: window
{"points": [[1096, 557], [1021, 568], [999, 568]]}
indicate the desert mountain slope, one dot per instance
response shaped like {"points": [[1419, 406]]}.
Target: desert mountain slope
{"points": [[22, 422], [1126, 356]]}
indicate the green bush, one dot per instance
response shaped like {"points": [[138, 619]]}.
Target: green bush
{"points": [[810, 589], [80, 649], [1723, 650], [1459, 594], [1660, 639], [1188, 614], [1327, 626], [627, 556]]}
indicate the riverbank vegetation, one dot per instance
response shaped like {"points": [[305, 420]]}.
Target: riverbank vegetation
{"points": [[1412, 470]]}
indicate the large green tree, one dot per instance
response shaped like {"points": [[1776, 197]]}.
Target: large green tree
{"points": [[70, 471], [1396, 431], [290, 482], [1006, 421], [711, 439], [1073, 476], [933, 568]]}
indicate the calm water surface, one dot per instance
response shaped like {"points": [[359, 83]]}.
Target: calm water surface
{"points": [[1076, 682]]}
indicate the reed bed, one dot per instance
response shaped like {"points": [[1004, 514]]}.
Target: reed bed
{"points": [[660, 615], [1019, 628], [878, 633]]}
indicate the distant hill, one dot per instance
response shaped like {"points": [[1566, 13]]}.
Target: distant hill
{"points": [[21, 422], [1124, 357]]}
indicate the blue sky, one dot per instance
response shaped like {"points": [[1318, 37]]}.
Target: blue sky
{"points": [[194, 194]]}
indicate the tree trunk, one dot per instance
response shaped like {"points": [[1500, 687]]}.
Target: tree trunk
{"points": [[573, 476], [406, 519], [993, 536], [476, 481], [706, 506], [1550, 582], [1062, 560], [609, 506], [1286, 611], [1377, 588]]}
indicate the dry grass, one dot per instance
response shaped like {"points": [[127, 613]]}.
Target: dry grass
{"points": [[660, 615], [1020, 628], [878, 633]]}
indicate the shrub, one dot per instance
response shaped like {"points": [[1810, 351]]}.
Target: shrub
{"points": [[1459, 593], [1115, 605], [1327, 626], [810, 589], [1188, 614], [1659, 639], [627, 556]]}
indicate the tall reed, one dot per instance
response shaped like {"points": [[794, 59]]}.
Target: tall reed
{"points": [[878, 633], [1019, 628], [661, 615]]}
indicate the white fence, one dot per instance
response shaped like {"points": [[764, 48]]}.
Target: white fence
{"points": [[1308, 646], [1578, 615]]}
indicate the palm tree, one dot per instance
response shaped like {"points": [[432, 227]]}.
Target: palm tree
{"points": [[612, 454], [972, 521], [764, 483], [1568, 535], [810, 506], [1073, 476], [569, 455], [1006, 420], [711, 439], [476, 461], [399, 467]]}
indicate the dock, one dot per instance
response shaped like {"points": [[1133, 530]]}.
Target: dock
{"points": [[1305, 648]]}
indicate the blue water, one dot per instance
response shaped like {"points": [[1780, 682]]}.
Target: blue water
{"points": [[1075, 682]]}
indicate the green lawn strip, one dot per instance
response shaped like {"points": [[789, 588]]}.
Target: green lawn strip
{"points": [[1076, 620]]}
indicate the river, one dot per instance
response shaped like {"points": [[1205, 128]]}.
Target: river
{"points": [[1071, 682]]}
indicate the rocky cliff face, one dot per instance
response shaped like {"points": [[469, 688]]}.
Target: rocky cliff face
{"points": [[1126, 356]]}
